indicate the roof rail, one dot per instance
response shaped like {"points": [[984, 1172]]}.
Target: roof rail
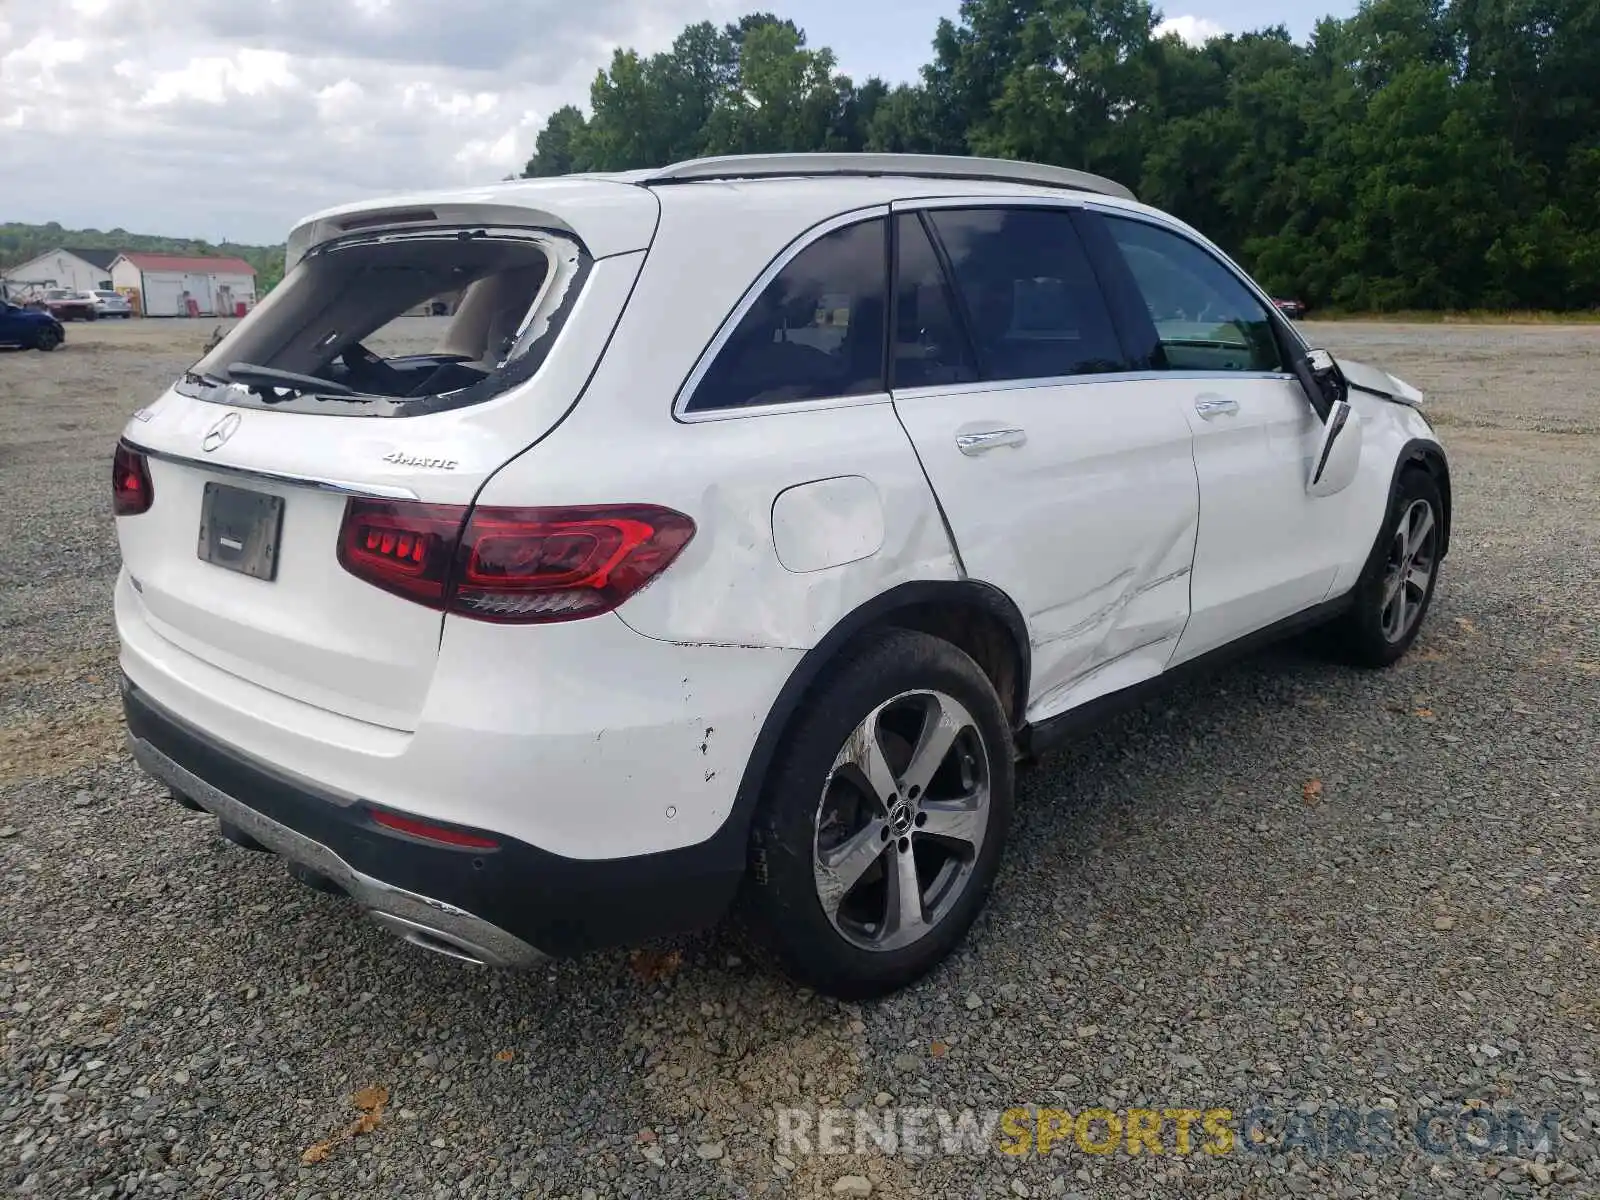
{"points": [[928, 166]]}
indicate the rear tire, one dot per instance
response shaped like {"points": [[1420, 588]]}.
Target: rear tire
{"points": [[882, 819], [1391, 599]]}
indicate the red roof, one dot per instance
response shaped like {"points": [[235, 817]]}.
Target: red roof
{"points": [[180, 262]]}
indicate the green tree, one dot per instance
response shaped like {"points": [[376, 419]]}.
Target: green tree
{"points": [[1421, 153], [559, 148]]}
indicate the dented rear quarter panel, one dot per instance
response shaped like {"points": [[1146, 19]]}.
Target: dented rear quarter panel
{"points": [[729, 587]]}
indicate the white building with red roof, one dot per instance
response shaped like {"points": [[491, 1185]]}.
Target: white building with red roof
{"points": [[176, 285]]}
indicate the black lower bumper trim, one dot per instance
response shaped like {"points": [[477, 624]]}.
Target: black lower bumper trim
{"points": [[560, 905]]}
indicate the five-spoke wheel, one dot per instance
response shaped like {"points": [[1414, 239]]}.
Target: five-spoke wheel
{"points": [[901, 820], [1391, 598], [883, 817], [1409, 572]]}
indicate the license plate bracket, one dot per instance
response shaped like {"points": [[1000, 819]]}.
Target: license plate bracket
{"points": [[239, 530]]}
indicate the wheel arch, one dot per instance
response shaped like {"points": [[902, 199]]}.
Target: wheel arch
{"points": [[977, 617], [1430, 456]]}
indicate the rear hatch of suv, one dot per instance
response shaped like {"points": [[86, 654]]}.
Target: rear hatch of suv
{"points": [[257, 498]]}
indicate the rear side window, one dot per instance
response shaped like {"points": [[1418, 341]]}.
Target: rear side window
{"points": [[1205, 317], [1032, 301], [816, 331]]}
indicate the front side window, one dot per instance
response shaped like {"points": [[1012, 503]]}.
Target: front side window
{"points": [[1032, 301], [1205, 318], [814, 333]]}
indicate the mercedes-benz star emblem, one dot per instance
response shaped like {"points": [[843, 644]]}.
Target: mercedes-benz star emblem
{"points": [[219, 433]]}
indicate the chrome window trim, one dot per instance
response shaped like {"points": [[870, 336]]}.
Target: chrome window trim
{"points": [[802, 242], [382, 491], [816, 404], [1001, 385]]}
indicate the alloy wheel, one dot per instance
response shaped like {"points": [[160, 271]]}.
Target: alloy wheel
{"points": [[1409, 572], [902, 819]]}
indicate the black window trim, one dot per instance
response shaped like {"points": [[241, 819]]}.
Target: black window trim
{"points": [[952, 296], [1129, 316], [796, 247]]}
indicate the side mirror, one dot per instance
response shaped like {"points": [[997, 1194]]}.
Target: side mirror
{"points": [[1323, 381], [1338, 455]]}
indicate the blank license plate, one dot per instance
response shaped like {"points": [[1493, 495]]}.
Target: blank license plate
{"points": [[239, 530]]}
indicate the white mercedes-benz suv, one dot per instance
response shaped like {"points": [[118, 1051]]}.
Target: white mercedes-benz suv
{"points": [[740, 528]]}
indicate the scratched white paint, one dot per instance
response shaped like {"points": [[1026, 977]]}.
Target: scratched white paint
{"points": [[1088, 525]]}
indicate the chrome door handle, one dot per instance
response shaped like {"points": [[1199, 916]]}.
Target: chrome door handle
{"points": [[972, 444], [1215, 406]]}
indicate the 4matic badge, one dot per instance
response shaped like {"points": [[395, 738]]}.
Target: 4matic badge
{"points": [[401, 459]]}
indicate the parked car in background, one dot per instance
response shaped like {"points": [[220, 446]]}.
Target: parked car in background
{"points": [[111, 304], [977, 451], [29, 328], [66, 305], [1293, 309]]}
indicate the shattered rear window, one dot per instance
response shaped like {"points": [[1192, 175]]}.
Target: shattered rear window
{"points": [[399, 323]]}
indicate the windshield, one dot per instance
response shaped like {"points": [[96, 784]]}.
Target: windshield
{"points": [[407, 317]]}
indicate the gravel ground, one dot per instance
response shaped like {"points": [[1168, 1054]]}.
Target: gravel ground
{"points": [[1293, 885]]}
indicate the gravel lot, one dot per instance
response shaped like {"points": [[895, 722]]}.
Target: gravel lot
{"points": [[1183, 919]]}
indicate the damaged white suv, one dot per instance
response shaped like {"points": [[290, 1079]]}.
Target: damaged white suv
{"points": [[741, 526]]}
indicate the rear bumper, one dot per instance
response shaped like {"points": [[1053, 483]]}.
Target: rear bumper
{"points": [[508, 906]]}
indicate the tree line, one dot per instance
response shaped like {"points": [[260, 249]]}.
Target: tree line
{"points": [[1421, 154]]}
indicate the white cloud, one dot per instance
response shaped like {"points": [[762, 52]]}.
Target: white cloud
{"points": [[232, 118], [1194, 30], [220, 79]]}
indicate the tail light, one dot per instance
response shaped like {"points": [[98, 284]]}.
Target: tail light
{"points": [[131, 491], [511, 565], [402, 546]]}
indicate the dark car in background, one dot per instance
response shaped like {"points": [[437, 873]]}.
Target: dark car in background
{"points": [[1293, 309], [29, 328]]}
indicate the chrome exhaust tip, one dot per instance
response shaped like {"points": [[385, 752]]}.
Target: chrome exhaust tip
{"points": [[434, 940]]}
